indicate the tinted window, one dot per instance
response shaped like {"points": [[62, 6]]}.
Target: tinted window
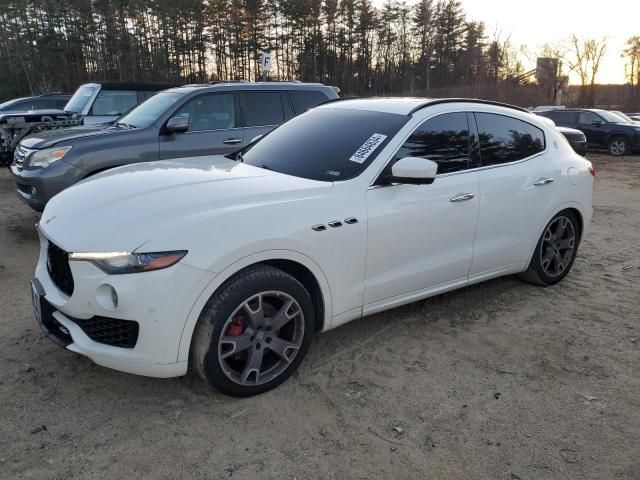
{"points": [[114, 102], [505, 139], [263, 108], [20, 106], [325, 144], [443, 139], [588, 118], [59, 103], [41, 104], [305, 99], [563, 117], [208, 112]]}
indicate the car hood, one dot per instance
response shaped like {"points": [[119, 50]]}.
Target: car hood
{"points": [[124, 208], [50, 138]]}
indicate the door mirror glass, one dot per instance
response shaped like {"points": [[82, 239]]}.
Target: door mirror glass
{"points": [[178, 124], [414, 170]]}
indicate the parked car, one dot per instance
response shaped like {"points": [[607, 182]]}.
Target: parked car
{"points": [[603, 129], [576, 139], [354, 207], [180, 122], [47, 101], [634, 116], [92, 103]]}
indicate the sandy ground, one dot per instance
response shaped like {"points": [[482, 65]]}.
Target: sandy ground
{"points": [[499, 381]]}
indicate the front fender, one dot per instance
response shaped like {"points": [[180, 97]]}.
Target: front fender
{"points": [[235, 267]]}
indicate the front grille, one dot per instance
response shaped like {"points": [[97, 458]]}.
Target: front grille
{"points": [[58, 268], [19, 156], [110, 331]]}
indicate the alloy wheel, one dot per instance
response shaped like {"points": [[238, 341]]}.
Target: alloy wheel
{"points": [[261, 338], [558, 245], [617, 147]]}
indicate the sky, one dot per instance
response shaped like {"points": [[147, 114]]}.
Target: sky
{"points": [[533, 23]]}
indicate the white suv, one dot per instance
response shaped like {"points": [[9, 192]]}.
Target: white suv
{"points": [[231, 265]]}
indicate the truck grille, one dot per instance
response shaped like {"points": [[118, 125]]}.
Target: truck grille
{"points": [[58, 268]]}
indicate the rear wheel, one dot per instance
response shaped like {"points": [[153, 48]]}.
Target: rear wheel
{"points": [[254, 332], [618, 146], [555, 252]]}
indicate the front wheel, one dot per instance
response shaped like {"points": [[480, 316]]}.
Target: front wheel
{"points": [[555, 251], [254, 332], [619, 146]]}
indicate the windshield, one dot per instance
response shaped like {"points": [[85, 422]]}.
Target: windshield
{"points": [[77, 103], [624, 117], [327, 144], [150, 110], [611, 117]]}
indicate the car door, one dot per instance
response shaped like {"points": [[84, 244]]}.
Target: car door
{"points": [[594, 128], [517, 184], [421, 236], [213, 128], [263, 111]]}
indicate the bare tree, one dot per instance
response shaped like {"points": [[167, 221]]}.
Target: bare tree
{"points": [[632, 70], [588, 54]]}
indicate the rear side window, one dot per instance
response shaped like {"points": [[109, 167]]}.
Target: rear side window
{"points": [[443, 139], [305, 99], [263, 108], [563, 117], [505, 139]]}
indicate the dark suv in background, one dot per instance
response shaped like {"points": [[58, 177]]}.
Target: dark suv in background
{"points": [[603, 129], [188, 121]]}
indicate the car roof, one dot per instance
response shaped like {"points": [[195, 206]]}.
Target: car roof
{"points": [[405, 105], [245, 85], [150, 86]]}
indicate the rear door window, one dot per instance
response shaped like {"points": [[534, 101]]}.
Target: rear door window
{"points": [[263, 108], [563, 117], [443, 139], [506, 139], [305, 99]]}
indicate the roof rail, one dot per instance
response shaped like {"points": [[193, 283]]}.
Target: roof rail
{"points": [[216, 82], [466, 100]]}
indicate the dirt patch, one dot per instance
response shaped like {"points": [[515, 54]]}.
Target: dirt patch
{"points": [[499, 380]]}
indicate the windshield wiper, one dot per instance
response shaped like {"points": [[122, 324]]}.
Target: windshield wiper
{"points": [[127, 125]]}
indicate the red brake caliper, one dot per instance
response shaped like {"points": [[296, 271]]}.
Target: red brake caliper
{"points": [[235, 329]]}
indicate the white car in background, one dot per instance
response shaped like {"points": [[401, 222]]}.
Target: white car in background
{"points": [[231, 265]]}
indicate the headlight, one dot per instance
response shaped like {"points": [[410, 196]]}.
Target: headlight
{"points": [[44, 158], [116, 263]]}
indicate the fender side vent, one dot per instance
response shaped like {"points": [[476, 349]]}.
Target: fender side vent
{"points": [[319, 228], [335, 224], [350, 220]]}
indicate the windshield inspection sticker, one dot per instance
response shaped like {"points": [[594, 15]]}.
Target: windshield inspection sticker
{"points": [[368, 147]]}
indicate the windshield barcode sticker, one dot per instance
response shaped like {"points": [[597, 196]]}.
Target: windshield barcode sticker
{"points": [[368, 147]]}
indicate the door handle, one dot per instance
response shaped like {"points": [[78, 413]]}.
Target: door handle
{"points": [[543, 181], [462, 197], [232, 141]]}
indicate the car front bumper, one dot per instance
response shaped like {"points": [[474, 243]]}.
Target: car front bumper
{"points": [[159, 302], [36, 187]]}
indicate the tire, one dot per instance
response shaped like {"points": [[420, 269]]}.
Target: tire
{"points": [[260, 317], [554, 254], [619, 146]]}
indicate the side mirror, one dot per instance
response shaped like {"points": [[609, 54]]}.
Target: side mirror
{"points": [[414, 170], [597, 123], [177, 125], [256, 138]]}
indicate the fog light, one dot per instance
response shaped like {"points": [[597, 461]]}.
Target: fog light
{"points": [[107, 297]]}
